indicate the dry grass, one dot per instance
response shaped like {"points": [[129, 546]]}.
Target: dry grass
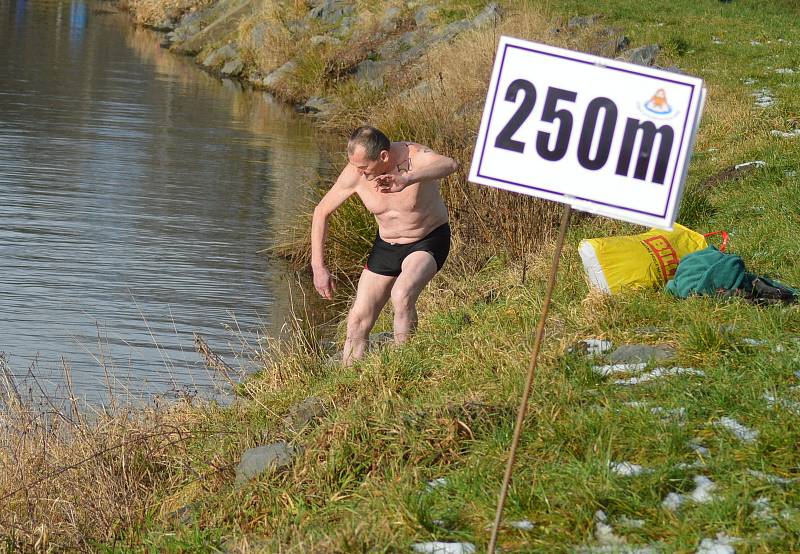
{"points": [[152, 12], [71, 478]]}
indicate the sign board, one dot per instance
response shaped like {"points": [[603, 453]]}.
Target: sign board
{"points": [[605, 136]]}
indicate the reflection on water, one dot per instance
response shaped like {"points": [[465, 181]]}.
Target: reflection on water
{"points": [[136, 193]]}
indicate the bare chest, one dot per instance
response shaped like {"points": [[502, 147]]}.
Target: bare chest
{"points": [[410, 200]]}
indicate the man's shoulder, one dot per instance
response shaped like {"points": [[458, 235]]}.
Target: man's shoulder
{"points": [[417, 148], [348, 178]]}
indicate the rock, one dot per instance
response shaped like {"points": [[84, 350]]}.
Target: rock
{"points": [[307, 411], [389, 20], [256, 461], [223, 19], [423, 15], [331, 11], [320, 40], [318, 106], [345, 26], [233, 67], [644, 55], [371, 72], [632, 353], [221, 56], [582, 21], [258, 34], [491, 14], [376, 340], [279, 74], [164, 26]]}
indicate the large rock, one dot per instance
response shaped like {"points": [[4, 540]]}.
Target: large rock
{"points": [[644, 55], [225, 19], [233, 68], [332, 11], [634, 353], [277, 76], [221, 56], [303, 413], [256, 461], [582, 21]]}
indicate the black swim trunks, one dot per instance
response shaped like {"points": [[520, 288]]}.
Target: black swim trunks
{"points": [[387, 259]]}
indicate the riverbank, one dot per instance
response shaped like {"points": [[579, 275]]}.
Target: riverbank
{"points": [[409, 446]]}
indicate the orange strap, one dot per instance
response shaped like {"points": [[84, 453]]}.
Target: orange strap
{"points": [[724, 234]]}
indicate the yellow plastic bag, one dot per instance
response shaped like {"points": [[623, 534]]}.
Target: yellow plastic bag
{"points": [[649, 259]]}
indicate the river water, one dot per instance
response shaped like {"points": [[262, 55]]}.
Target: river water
{"points": [[137, 194]]}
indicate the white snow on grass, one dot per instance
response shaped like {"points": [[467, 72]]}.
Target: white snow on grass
{"points": [[698, 447], [770, 478], [701, 494], [756, 163], [436, 483], [723, 544], [444, 548], [673, 501], [613, 369], [773, 401], [703, 488], [627, 469], [659, 372], [764, 98], [597, 346], [761, 508], [741, 432], [784, 71], [522, 525], [794, 133]]}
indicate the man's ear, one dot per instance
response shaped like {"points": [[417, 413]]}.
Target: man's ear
{"points": [[384, 156]]}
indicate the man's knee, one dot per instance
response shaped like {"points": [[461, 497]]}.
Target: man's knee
{"points": [[404, 297], [359, 321]]}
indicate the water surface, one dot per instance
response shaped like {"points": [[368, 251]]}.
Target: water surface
{"points": [[137, 194]]}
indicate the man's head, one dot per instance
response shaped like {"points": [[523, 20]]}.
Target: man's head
{"points": [[368, 151]]}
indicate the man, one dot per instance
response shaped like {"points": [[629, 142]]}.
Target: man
{"points": [[399, 183]]}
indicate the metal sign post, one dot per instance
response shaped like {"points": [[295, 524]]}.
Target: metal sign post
{"points": [[599, 135]]}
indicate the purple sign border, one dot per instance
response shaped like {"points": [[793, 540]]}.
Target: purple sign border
{"points": [[623, 208]]}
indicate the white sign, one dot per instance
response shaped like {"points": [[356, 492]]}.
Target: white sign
{"points": [[605, 136]]}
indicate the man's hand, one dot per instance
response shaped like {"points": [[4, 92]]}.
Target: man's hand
{"points": [[391, 183], [323, 282]]}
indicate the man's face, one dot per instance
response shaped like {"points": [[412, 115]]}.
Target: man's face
{"points": [[368, 168]]}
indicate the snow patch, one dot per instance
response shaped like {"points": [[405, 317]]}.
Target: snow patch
{"points": [[794, 133], [741, 432], [723, 544], [613, 369], [764, 98], [627, 469], [770, 478], [659, 372], [444, 548], [756, 163]]}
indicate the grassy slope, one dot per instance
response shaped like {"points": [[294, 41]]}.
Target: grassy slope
{"points": [[442, 406]]}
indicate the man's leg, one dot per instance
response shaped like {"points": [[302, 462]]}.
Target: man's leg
{"points": [[373, 292], [417, 270]]}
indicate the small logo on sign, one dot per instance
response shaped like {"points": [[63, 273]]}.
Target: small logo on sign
{"points": [[658, 106]]}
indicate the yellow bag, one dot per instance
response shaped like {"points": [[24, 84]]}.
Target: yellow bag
{"points": [[646, 260]]}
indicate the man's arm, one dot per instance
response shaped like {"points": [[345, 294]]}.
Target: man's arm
{"points": [[426, 165], [342, 189]]}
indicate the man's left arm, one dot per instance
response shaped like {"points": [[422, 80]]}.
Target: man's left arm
{"points": [[426, 165]]}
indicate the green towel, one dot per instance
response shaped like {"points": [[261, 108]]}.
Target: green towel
{"points": [[706, 272]]}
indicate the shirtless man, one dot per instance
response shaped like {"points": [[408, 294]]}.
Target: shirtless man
{"points": [[399, 183]]}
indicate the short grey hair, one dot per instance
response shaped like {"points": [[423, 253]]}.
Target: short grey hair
{"points": [[372, 139]]}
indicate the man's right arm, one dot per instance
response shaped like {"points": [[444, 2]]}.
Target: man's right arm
{"points": [[342, 189]]}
